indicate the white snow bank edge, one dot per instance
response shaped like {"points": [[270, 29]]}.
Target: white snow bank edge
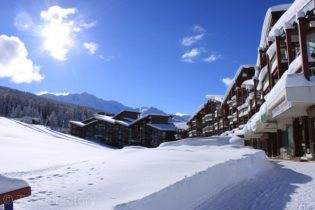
{"points": [[191, 192]]}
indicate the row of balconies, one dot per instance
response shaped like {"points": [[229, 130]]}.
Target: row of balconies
{"points": [[207, 118], [192, 133], [207, 129]]}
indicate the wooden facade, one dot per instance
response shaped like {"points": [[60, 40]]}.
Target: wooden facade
{"points": [[201, 123], [126, 128], [152, 130], [272, 104]]}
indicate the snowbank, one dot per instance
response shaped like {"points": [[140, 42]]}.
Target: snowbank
{"points": [[70, 173], [193, 191]]}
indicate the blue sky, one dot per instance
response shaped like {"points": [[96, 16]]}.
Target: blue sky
{"points": [[167, 54]]}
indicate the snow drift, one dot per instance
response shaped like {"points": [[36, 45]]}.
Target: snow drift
{"points": [[191, 192], [66, 172]]}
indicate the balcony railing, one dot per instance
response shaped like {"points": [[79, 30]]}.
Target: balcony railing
{"points": [[207, 118], [192, 133], [207, 129]]}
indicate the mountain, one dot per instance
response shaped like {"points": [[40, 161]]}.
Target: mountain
{"points": [[181, 117], [89, 100], [110, 106], [150, 110]]}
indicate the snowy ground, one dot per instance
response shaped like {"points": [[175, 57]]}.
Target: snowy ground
{"points": [[289, 185], [70, 173]]}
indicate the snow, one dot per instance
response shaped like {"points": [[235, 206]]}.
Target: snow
{"points": [[271, 50], [9, 184], [111, 119], [267, 20], [105, 118], [80, 124], [248, 84], [295, 65], [298, 7], [266, 26], [163, 127], [236, 140], [215, 97], [288, 80], [66, 172], [235, 77], [181, 125], [289, 185]]}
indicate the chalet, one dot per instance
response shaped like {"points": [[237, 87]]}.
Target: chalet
{"points": [[152, 130]]}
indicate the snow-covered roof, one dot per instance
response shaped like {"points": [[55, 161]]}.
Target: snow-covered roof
{"points": [[81, 124], [298, 7], [266, 25], [104, 118], [110, 119], [215, 98], [218, 98], [181, 125], [235, 77], [163, 127], [125, 111], [10, 184], [267, 21], [147, 115], [77, 123]]}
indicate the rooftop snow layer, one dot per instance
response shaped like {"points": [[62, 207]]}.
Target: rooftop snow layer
{"points": [[163, 127], [290, 15], [235, 77], [266, 24], [10, 184]]}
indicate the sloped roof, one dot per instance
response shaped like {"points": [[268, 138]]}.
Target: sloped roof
{"points": [[147, 115], [163, 127], [239, 71]]}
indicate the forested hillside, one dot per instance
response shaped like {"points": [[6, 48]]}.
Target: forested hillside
{"points": [[18, 104]]}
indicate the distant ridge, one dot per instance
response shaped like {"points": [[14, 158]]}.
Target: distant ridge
{"points": [[109, 106]]}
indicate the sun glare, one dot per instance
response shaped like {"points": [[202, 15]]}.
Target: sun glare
{"points": [[58, 31], [57, 39]]}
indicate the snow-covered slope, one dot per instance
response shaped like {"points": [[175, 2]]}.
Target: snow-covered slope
{"points": [[70, 173]]}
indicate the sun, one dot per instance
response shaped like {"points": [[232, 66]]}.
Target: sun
{"points": [[57, 39], [58, 31]]}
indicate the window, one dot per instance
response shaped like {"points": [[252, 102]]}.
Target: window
{"points": [[310, 42], [283, 52], [283, 55]]}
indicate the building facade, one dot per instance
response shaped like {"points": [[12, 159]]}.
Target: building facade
{"points": [[127, 128], [272, 104]]}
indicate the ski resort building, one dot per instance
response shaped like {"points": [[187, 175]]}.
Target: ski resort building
{"points": [[237, 105], [201, 123], [151, 130], [272, 104], [284, 125], [127, 128]]}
